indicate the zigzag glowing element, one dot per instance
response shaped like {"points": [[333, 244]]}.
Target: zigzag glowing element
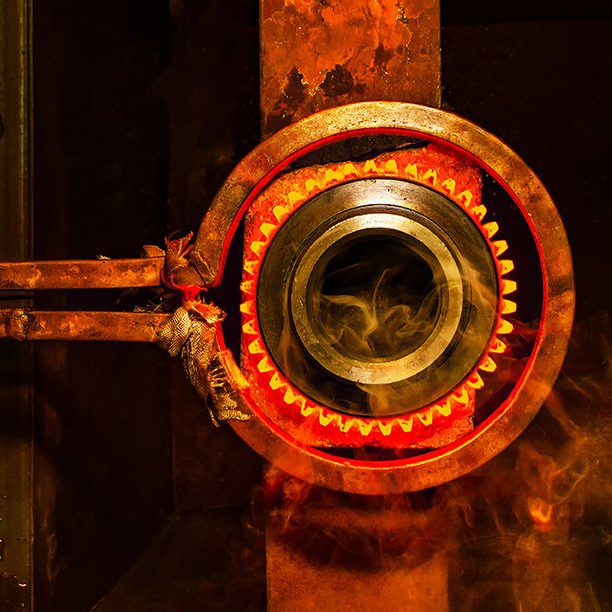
{"points": [[299, 195]]}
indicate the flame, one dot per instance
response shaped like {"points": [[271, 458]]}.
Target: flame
{"points": [[541, 513]]}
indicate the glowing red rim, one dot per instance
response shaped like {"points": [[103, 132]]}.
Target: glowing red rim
{"points": [[491, 155], [418, 425]]}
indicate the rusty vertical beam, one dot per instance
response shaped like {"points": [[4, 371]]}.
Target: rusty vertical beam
{"points": [[331, 551], [317, 54]]}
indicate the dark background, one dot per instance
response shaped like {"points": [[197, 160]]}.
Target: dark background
{"points": [[141, 109]]}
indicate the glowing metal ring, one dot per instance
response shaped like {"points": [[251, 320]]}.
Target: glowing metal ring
{"points": [[414, 427], [538, 210]]}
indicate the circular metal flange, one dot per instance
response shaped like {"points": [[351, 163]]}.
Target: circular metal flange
{"points": [[505, 423], [428, 226]]}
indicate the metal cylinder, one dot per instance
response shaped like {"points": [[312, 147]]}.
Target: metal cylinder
{"points": [[383, 288]]}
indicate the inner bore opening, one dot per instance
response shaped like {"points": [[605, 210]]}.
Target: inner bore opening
{"points": [[375, 297]]}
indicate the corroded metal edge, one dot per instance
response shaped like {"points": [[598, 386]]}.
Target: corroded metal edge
{"points": [[81, 274]]}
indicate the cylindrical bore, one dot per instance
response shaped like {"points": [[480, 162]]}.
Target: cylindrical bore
{"points": [[432, 227], [375, 295], [375, 371]]}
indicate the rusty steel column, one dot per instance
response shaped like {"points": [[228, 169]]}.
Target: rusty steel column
{"points": [[315, 55]]}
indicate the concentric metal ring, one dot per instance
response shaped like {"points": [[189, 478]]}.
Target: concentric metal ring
{"points": [[395, 209], [537, 211]]}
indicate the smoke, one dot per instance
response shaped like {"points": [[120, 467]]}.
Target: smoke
{"points": [[537, 528], [529, 531], [418, 324], [385, 318]]}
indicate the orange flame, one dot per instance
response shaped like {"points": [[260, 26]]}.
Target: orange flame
{"points": [[541, 512]]}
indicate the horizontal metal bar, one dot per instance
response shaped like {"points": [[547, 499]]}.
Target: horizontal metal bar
{"points": [[81, 274], [24, 324]]}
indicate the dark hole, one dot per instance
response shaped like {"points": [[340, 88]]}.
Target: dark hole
{"points": [[375, 298]]}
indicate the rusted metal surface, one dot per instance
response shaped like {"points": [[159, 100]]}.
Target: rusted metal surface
{"points": [[315, 55], [15, 126], [257, 169], [330, 551], [295, 582], [24, 324], [81, 274]]}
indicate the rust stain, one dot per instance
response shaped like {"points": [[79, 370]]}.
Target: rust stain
{"points": [[81, 274], [23, 324], [318, 54]]}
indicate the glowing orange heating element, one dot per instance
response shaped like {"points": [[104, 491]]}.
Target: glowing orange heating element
{"points": [[436, 169]]}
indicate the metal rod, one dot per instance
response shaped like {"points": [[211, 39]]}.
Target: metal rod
{"points": [[81, 274], [24, 324]]}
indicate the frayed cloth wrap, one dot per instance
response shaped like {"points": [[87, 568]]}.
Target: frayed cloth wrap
{"points": [[192, 337]]}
